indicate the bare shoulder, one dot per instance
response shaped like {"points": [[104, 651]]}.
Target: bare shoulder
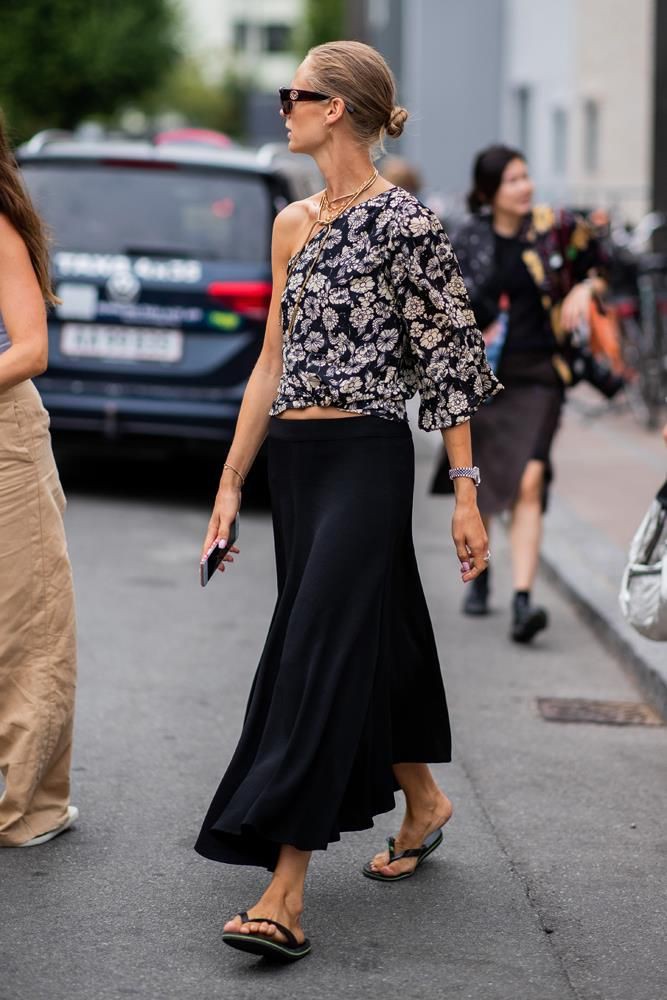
{"points": [[293, 222]]}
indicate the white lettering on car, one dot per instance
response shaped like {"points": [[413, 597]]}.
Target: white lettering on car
{"points": [[102, 265], [181, 271]]}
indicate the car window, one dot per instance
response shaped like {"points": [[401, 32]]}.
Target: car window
{"points": [[161, 212]]}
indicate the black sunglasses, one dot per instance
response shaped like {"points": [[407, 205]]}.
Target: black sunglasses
{"points": [[289, 96]]}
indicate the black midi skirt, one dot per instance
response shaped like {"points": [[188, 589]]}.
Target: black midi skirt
{"points": [[349, 681]]}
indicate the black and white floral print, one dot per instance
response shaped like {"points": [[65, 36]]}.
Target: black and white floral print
{"points": [[385, 313]]}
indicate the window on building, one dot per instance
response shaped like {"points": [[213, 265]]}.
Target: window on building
{"points": [[240, 36], [523, 116], [559, 140], [278, 37], [591, 136]]}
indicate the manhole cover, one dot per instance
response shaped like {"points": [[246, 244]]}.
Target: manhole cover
{"points": [[611, 713]]}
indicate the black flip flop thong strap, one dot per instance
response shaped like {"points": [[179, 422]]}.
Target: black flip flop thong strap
{"points": [[291, 940], [412, 852]]}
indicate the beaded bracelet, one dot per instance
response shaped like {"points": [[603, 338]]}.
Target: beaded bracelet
{"points": [[226, 465]]}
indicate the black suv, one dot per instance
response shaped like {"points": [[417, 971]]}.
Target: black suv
{"points": [[161, 259]]}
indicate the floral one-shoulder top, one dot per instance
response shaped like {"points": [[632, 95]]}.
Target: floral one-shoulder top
{"points": [[383, 314]]}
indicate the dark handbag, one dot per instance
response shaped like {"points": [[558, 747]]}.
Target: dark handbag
{"points": [[586, 367]]}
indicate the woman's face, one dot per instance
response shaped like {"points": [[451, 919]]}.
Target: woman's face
{"points": [[515, 194], [306, 130]]}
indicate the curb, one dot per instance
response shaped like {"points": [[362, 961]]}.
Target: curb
{"points": [[587, 568]]}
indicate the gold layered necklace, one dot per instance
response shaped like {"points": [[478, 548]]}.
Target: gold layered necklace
{"points": [[326, 216]]}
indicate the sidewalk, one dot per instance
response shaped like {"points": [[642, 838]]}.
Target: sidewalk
{"points": [[607, 470]]}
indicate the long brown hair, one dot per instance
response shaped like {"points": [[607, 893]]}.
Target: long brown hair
{"points": [[16, 205]]}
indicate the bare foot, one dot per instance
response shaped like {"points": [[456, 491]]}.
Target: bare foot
{"points": [[416, 827], [286, 910]]}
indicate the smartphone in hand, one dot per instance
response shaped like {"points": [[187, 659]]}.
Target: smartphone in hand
{"points": [[215, 554]]}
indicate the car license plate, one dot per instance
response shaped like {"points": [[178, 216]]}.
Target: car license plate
{"points": [[121, 343]]}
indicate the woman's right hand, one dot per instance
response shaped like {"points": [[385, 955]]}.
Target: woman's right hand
{"points": [[226, 507]]}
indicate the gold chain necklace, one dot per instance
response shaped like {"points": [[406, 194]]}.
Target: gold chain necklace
{"points": [[326, 224], [327, 214], [341, 197]]}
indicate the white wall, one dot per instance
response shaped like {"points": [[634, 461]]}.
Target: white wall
{"points": [[615, 66], [207, 34], [210, 38], [540, 56], [566, 53]]}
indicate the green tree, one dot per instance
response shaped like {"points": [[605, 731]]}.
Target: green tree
{"points": [[65, 60], [323, 21]]}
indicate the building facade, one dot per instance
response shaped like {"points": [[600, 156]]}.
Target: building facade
{"points": [[254, 40], [578, 97], [570, 83], [253, 37]]}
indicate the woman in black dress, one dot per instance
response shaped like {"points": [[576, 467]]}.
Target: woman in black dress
{"points": [[348, 703], [531, 274]]}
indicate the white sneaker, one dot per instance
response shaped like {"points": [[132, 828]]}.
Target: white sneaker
{"points": [[72, 817]]}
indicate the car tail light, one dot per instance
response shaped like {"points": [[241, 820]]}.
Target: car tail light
{"points": [[626, 308], [247, 298]]}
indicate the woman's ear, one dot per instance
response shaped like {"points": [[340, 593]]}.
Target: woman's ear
{"points": [[335, 110]]}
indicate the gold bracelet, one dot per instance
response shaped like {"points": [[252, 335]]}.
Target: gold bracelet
{"points": [[226, 465]]}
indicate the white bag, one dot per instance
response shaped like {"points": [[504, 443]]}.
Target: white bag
{"points": [[643, 594]]}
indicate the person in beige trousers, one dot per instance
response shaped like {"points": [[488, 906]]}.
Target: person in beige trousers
{"points": [[37, 624]]}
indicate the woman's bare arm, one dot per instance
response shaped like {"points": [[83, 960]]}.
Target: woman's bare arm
{"points": [[468, 529], [22, 309], [253, 419]]}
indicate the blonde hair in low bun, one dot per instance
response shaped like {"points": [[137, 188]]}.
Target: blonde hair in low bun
{"points": [[396, 123], [359, 74]]}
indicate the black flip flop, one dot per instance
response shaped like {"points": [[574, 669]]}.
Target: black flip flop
{"points": [[421, 853], [260, 944]]}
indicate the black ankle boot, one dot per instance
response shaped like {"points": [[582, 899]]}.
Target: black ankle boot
{"points": [[527, 620], [476, 601]]}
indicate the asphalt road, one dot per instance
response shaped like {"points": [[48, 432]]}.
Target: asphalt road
{"points": [[550, 884]]}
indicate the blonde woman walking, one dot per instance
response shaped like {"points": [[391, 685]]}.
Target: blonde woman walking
{"points": [[348, 703], [37, 631]]}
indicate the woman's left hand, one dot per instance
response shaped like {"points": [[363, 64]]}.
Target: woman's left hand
{"points": [[470, 539], [576, 307]]}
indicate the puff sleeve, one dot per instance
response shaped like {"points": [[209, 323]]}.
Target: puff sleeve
{"points": [[444, 348]]}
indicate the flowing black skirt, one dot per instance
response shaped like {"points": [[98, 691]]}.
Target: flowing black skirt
{"points": [[349, 681]]}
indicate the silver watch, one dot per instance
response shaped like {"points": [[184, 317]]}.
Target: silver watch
{"points": [[466, 472]]}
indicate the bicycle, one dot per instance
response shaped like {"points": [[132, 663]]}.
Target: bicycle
{"points": [[643, 326]]}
